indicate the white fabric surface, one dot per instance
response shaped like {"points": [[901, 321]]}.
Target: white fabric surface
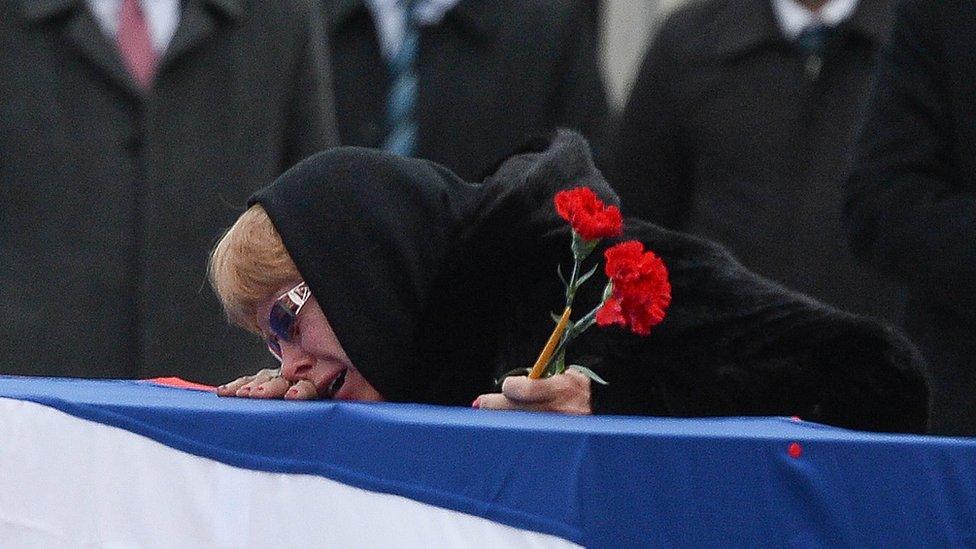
{"points": [[69, 482]]}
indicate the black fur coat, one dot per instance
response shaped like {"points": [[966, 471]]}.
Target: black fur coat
{"points": [[732, 343]]}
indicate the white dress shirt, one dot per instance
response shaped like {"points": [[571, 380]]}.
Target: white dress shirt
{"points": [[162, 18], [388, 17], [793, 17]]}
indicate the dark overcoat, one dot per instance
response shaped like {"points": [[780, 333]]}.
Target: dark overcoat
{"points": [[912, 196], [491, 75], [111, 198], [733, 134]]}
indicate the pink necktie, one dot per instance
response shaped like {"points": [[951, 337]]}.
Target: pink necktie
{"points": [[134, 43]]}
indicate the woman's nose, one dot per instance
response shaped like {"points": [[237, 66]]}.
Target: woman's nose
{"points": [[295, 362]]}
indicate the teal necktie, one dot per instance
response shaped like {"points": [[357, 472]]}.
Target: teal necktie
{"points": [[401, 102], [813, 39]]}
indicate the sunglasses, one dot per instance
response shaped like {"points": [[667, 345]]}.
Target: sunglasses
{"points": [[282, 317]]}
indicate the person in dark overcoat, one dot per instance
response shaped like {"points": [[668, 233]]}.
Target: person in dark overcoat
{"points": [[489, 76], [416, 286], [113, 192], [739, 128], [912, 193]]}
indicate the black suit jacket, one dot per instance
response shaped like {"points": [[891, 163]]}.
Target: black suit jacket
{"points": [[911, 203], [733, 134], [112, 198], [491, 76]]}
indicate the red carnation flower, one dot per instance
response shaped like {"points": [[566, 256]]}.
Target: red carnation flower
{"points": [[636, 296], [587, 214], [641, 290]]}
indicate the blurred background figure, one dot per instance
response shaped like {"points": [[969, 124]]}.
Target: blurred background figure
{"points": [[912, 201], [464, 82], [739, 128], [130, 134]]}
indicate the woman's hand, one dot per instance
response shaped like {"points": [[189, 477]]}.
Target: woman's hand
{"points": [[567, 393], [268, 383]]}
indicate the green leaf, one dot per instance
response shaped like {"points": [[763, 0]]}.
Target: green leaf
{"points": [[515, 372], [588, 373], [559, 271], [559, 364], [556, 318], [586, 276]]}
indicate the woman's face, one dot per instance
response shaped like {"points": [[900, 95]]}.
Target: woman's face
{"points": [[313, 353]]}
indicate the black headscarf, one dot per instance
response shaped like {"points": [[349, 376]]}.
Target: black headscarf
{"points": [[369, 232], [409, 262]]}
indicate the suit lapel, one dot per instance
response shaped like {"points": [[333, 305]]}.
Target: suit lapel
{"points": [[81, 30], [196, 23], [198, 20], [85, 34]]}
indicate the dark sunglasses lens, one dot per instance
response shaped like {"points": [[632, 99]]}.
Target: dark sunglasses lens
{"points": [[280, 320]]}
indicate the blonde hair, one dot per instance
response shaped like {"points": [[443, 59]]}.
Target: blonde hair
{"points": [[248, 265]]}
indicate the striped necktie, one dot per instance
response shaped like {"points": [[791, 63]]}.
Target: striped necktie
{"points": [[401, 102]]}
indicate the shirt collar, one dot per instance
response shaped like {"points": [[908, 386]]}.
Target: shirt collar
{"points": [[745, 25], [40, 10], [428, 12], [481, 16], [793, 17]]}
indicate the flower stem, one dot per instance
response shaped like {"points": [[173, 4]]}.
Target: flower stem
{"points": [[571, 285], [554, 339], [586, 321]]}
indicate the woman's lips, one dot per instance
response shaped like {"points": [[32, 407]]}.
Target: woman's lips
{"points": [[332, 386]]}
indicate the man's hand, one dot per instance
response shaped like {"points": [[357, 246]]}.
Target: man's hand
{"points": [[567, 393]]}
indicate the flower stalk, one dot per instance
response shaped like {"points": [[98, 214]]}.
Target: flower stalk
{"points": [[545, 357], [635, 296]]}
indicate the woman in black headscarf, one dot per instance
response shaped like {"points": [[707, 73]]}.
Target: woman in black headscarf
{"points": [[377, 277]]}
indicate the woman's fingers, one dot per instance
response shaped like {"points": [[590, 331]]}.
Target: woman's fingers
{"points": [[235, 388], [567, 393], [275, 387], [261, 377], [495, 401], [230, 389], [269, 383], [302, 390]]}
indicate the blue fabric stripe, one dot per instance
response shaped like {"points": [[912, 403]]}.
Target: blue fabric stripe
{"points": [[598, 481]]}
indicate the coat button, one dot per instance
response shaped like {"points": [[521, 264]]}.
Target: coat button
{"points": [[813, 66]]}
